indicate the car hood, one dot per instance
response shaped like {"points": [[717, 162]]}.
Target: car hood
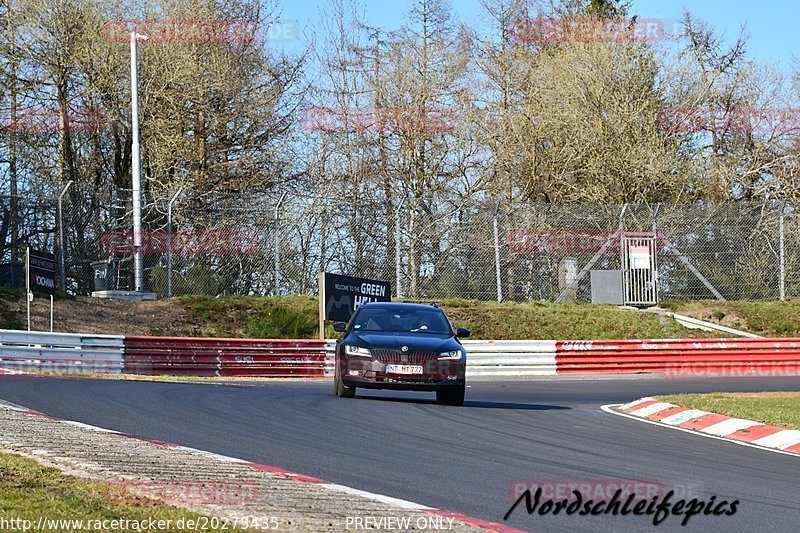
{"points": [[423, 342]]}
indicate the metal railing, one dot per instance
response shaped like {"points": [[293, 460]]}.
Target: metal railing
{"points": [[61, 352], [73, 353], [225, 357]]}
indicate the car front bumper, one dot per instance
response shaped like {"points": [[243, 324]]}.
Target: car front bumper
{"points": [[403, 384], [372, 373]]}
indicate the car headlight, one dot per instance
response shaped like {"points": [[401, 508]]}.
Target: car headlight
{"points": [[357, 351], [454, 355]]}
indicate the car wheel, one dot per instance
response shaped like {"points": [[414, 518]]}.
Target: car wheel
{"points": [[344, 391], [339, 388], [451, 397]]}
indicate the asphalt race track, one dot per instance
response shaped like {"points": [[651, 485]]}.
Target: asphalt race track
{"points": [[462, 459]]}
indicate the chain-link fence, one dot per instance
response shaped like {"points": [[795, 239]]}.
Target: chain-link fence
{"points": [[270, 244], [736, 251]]}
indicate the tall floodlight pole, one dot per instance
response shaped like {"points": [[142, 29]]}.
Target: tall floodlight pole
{"points": [[138, 267]]}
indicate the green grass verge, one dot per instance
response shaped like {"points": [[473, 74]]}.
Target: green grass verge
{"points": [[296, 317], [285, 317], [29, 490], [537, 320], [774, 408], [769, 319]]}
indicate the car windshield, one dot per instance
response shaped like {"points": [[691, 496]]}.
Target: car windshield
{"points": [[401, 321]]}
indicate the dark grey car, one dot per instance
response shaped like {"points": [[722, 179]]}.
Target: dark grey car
{"points": [[401, 346]]}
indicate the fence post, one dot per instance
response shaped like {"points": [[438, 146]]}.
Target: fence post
{"points": [[398, 273], [169, 240], [498, 274], [62, 250], [655, 256], [782, 252], [28, 283], [278, 246]]}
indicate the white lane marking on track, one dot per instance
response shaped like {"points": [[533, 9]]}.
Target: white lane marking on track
{"points": [[732, 425], [610, 409], [14, 407], [653, 409], [212, 455], [93, 428], [405, 504]]}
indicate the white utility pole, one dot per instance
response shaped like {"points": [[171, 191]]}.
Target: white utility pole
{"points": [[136, 172]]}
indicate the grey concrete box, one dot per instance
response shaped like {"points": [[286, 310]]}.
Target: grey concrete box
{"points": [[607, 287]]}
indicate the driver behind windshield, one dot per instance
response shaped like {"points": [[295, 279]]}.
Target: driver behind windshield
{"points": [[419, 322]]}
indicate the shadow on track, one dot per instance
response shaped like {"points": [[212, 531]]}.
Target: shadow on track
{"points": [[469, 403]]}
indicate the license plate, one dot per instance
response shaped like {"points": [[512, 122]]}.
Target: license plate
{"points": [[403, 369]]}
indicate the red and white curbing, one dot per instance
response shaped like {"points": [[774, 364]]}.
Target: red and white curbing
{"points": [[403, 504], [713, 424]]}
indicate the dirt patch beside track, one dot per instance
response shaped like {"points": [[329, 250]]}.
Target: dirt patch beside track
{"points": [[115, 317]]}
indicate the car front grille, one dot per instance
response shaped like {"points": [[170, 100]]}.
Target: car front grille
{"points": [[396, 356]]}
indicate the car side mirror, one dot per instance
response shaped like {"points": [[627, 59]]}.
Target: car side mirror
{"points": [[341, 327], [462, 333]]}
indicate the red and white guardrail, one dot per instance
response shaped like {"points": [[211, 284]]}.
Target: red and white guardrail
{"points": [[60, 352], [510, 358], [64, 352], [681, 357], [226, 357]]}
